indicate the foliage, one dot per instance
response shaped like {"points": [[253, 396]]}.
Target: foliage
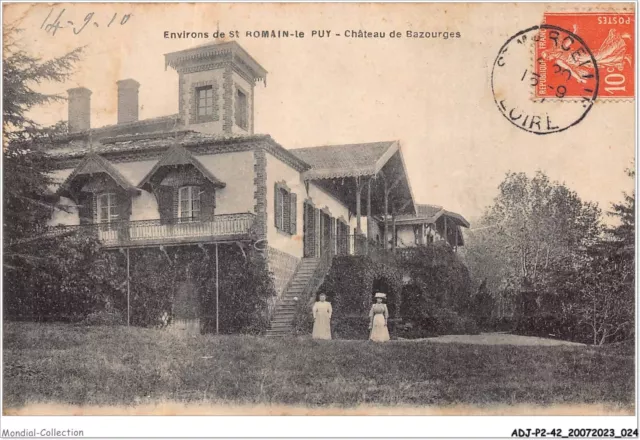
{"points": [[436, 297], [152, 285], [27, 201], [22, 73], [625, 212], [545, 249], [349, 287], [244, 287], [437, 322], [442, 277], [594, 292], [81, 280], [44, 277], [533, 224]]}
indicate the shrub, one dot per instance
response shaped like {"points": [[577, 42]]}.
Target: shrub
{"points": [[350, 282], [107, 316], [79, 280], [436, 300], [244, 287], [437, 323]]}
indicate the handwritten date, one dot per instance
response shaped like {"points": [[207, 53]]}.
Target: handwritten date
{"points": [[51, 26]]}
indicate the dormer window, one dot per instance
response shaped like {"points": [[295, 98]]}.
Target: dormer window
{"points": [[106, 208], [189, 203], [241, 109], [204, 95]]}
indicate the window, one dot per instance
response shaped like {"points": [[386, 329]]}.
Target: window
{"points": [[241, 109], [204, 96], [283, 197], [343, 238], [189, 203], [285, 209], [107, 209]]}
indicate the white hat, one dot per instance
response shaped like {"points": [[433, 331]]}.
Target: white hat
{"points": [[380, 295]]}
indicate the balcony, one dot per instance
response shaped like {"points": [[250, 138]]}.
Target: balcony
{"points": [[225, 227], [357, 245]]}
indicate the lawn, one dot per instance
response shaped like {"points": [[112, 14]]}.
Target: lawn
{"points": [[80, 365]]}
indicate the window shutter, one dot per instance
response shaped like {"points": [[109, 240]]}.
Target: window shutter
{"points": [[286, 211], [293, 225], [277, 199], [94, 207], [123, 201], [175, 201], [85, 208], [207, 202], [333, 235], [165, 204]]}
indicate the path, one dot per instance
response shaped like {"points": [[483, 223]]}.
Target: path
{"points": [[500, 339]]}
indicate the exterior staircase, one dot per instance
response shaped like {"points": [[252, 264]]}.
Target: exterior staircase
{"points": [[282, 320]]}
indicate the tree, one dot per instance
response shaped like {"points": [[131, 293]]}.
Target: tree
{"points": [[625, 211], [27, 199], [599, 287], [533, 226]]}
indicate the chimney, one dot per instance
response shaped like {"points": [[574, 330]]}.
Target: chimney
{"points": [[79, 109], [127, 100]]}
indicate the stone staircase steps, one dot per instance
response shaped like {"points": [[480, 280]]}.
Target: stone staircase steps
{"points": [[282, 320]]}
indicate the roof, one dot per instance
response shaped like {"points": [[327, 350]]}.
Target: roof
{"points": [[350, 160], [430, 214], [457, 218], [92, 164], [204, 53], [150, 125], [427, 210], [159, 141], [178, 155]]}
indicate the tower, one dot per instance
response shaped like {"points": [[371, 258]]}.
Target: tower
{"points": [[216, 87]]}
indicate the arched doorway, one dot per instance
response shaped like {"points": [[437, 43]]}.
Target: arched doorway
{"points": [[383, 285]]}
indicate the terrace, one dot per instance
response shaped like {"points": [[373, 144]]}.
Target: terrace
{"points": [[141, 233]]}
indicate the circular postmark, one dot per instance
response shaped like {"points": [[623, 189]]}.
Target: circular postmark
{"points": [[544, 79]]}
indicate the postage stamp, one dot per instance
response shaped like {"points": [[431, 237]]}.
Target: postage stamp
{"points": [[513, 78], [608, 35]]}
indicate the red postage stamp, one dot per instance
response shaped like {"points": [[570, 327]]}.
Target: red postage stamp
{"points": [[609, 36]]}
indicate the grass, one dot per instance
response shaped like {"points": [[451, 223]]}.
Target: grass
{"points": [[80, 365]]}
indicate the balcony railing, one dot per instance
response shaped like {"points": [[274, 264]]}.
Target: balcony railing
{"points": [[357, 244], [175, 231], [360, 245]]}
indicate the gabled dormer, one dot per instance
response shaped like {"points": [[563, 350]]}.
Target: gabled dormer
{"points": [[184, 188], [216, 87], [102, 194]]}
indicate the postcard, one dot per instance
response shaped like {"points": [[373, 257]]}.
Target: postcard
{"points": [[319, 209]]}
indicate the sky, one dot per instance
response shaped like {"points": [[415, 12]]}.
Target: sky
{"points": [[431, 94]]}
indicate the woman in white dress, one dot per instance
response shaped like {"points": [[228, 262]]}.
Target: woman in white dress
{"points": [[378, 317], [321, 318]]}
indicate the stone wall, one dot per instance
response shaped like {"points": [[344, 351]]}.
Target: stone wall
{"points": [[283, 267]]}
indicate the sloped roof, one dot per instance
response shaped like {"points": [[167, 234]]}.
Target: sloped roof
{"points": [[178, 155], [459, 220], [431, 213], [141, 142], [350, 160], [161, 141], [93, 164], [427, 211], [208, 52], [142, 126]]}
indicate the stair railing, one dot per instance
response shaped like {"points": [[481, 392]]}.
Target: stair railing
{"points": [[324, 263]]}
